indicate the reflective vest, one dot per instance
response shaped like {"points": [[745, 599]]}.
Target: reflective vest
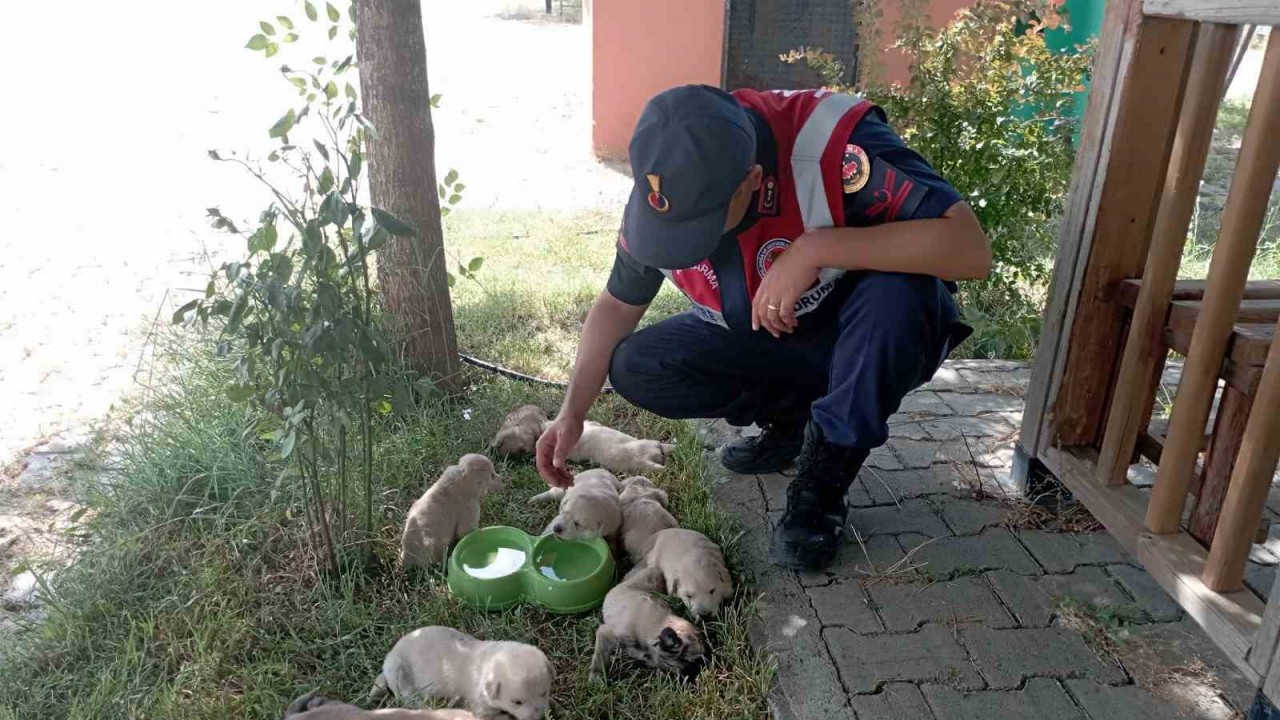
{"points": [[811, 129]]}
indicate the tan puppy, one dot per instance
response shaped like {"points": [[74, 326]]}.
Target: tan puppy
{"points": [[449, 509], [694, 569], [644, 515], [590, 508], [519, 433], [315, 707], [495, 679], [618, 451], [642, 624]]}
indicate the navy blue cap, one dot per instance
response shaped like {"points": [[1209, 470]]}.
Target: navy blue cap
{"points": [[692, 147]]}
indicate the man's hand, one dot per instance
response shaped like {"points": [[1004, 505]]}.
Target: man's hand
{"points": [[557, 441], [773, 307]]}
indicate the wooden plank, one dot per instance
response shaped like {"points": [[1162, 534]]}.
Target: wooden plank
{"points": [[1126, 291], [1219, 461], [1134, 391], [1235, 12], [1174, 561], [1141, 145], [1250, 482], [1267, 639], [1241, 222], [1111, 63], [1248, 345]]}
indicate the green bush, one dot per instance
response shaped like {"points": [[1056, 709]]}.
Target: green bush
{"points": [[990, 106]]}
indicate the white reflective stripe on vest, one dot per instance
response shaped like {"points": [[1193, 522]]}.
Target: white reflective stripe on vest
{"points": [[704, 312], [811, 191]]}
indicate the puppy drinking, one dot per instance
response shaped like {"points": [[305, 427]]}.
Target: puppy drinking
{"points": [[618, 451], [497, 680], [644, 515], [449, 509], [694, 569], [519, 433], [590, 508], [315, 707], [637, 621]]}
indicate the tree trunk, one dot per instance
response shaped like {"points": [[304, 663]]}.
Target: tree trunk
{"points": [[402, 180]]}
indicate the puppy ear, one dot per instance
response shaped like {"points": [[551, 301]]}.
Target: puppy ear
{"points": [[669, 641], [493, 688]]}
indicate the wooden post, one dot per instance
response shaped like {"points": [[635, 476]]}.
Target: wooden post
{"points": [[1134, 393], [1219, 462], [1241, 222]]}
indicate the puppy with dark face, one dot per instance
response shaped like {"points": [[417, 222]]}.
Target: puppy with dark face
{"points": [[519, 433], [315, 707], [642, 625]]}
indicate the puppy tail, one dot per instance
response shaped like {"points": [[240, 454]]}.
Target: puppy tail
{"points": [[554, 494], [379, 690]]}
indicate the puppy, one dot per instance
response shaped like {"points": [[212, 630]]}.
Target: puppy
{"points": [[694, 570], [496, 680], [449, 509], [643, 625], [315, 707], [590, 508], [618, 451], [519, 433], [644, 515]]}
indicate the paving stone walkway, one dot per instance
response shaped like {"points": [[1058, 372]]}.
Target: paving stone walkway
{"points": [[954, 599]]}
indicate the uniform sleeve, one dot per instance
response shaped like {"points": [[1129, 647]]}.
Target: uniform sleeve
{"points": [[902, 184], [632, 282]]}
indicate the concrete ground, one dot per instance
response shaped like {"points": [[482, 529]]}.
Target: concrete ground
{"points": [[954, 599]]}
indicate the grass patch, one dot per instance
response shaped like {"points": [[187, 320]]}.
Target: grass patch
{"points": [[197, 597]]}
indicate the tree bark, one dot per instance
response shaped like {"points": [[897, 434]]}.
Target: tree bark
{"points": [[391, 48]]}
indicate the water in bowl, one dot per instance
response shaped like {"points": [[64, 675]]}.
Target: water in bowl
{"points": [[568, 561], [500, 563]]}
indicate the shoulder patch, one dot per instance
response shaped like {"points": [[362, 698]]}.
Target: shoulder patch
{"points": [[854, 169], [889, 195]]}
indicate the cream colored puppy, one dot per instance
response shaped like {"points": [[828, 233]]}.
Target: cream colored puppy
{"points": [[315, 707], [449, 509], [590, 508], [644, 515], [694, 569], [495, 679], [642, 624], [618, 451], [519, 433]]}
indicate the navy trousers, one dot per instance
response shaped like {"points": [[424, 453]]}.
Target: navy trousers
{"points": [[878, 337]]}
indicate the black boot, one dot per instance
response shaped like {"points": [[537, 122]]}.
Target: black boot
{"points": [[809, 532], [778, 443]]}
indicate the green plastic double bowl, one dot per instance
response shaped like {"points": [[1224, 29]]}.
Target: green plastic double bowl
{"points": [[497, 567]]}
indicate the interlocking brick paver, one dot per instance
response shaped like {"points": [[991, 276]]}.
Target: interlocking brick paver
{"points": [[1007, 657], [947, 379], [898, 701], [888, 486], [1035, 601], [882, 458], [977, 403], [930, 655], [1130, 702], [970, 517], [1042, 699], [872, 557], [1152, 650], [1087, 585], [1062, 552], [905, 606], [911, 516], [925, 403], [844, 604], [1152, 598], [915, 454], [909, 429], [993, 549], [981, 426], [1024, 598]]}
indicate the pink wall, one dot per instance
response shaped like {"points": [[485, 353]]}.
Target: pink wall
{"points": [[639, 49], [940, 13]]}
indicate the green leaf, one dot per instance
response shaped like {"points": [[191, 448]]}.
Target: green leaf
{"points": [[383, 407], [300, 83], [450, 279], [451, 177], [330, 90], [310, 10], [351, 12], [285, 22], [443, 191], [320, 148], [286, 447], [334, 15], [349, 90], [391, 223], [273, 156], [258, 42], [272, 49], [181, 313], [319, 60], [333, 32], [459, 188], [454, 199], [264, 240], [357, 159], [214, 154], [435, 100], [283, 125], [475, 264], [267, 27], [326, 181], [291, 37], [334, 209]]}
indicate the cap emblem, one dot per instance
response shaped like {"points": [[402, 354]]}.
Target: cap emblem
{"points": [[657, 200]]}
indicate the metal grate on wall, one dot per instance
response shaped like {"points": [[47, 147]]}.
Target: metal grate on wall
{"points": [[758, 31]]}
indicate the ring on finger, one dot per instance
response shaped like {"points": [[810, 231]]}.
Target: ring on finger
{"points": [[772, 307]]}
